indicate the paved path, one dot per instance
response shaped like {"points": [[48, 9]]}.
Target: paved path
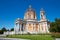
{"points": [[57, 38], [2, 35], [12, 39]]}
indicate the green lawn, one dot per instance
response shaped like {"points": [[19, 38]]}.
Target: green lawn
{"points": [[32, 37]]}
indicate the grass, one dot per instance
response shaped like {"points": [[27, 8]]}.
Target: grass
{"points": [[31, 37]]}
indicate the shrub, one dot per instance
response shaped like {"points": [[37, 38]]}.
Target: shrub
{"points": [[55, 35]]}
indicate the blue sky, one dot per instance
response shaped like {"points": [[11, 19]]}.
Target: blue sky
{"points": [[12, 9]]}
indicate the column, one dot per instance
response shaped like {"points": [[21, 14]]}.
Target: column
{"points": [[34, 28], [38, 28], [20, 27], [26, 27], [15, 29], [47, 28]]}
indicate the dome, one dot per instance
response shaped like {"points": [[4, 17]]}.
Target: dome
{"points": [[30, 13]]}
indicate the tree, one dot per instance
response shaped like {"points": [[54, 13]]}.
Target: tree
{"points": [[3, 30], [12, 29], [55, 26], [57, 21]]}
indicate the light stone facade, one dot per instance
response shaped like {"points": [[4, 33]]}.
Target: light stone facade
{"points": [[30, 24]]}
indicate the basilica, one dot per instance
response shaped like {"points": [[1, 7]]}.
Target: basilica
{"points": [[30, 24]]}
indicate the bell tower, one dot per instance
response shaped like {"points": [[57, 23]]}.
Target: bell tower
{"points": [[43, 22], [42, 15]]}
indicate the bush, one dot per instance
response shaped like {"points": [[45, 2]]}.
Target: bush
{"points": [[55, 35]]}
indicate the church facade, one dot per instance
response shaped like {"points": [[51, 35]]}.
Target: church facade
{"points": [[30, 24]]}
